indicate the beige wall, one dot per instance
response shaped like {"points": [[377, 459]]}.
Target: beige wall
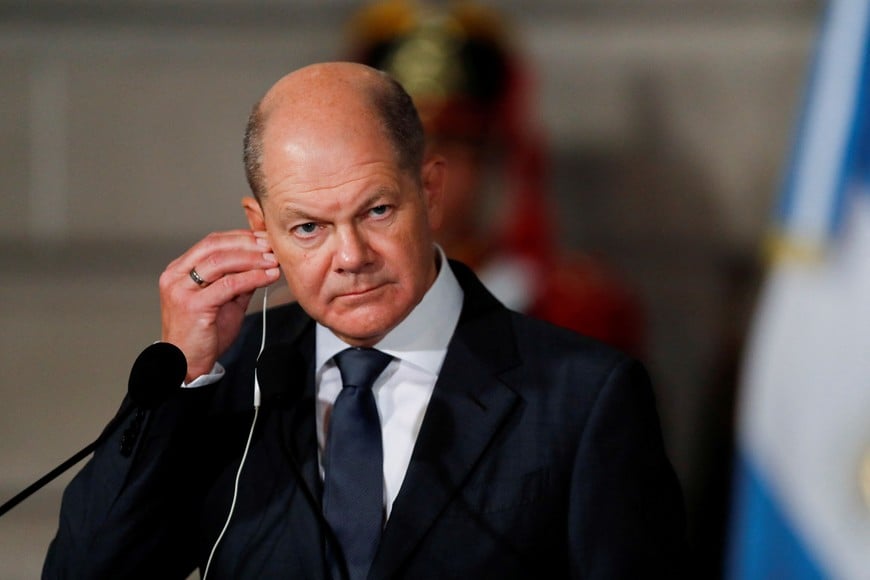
{"points": [[121, 144]]}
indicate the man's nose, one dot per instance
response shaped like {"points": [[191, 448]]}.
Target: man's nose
{"points": [[353, 252]]}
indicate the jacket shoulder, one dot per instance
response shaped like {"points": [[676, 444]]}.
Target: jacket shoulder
{"points": [[552, 343]]}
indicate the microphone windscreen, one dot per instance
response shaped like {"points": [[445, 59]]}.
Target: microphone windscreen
{"points": [[157, 372]]}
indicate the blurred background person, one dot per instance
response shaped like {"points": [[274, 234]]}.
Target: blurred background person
{"points": [[474, 91]]}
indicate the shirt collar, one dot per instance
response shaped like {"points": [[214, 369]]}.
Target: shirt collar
{"points": [[422, 337]]}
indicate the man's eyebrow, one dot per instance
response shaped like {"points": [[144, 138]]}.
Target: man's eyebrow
{"points": [[377, 197], [291, 212]]}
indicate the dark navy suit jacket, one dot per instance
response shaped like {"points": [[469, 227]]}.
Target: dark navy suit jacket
{"points": [[540, 455]]}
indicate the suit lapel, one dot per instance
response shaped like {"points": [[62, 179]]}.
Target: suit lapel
{"points": [[285, 372], [468, 406]]}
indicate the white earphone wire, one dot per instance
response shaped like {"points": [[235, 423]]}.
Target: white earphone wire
{"points": [[247, 444]]}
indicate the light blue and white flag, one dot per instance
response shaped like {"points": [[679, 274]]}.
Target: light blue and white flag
{"points": [[801, 504]]}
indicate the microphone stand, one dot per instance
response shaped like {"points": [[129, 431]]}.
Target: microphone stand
{"points": [[47, 478], [158, 371]]}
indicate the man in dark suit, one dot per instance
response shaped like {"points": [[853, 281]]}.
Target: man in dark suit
{"points": [[504, 447]]}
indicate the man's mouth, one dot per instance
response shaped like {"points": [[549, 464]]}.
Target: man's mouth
{"points": [[359, 292]]}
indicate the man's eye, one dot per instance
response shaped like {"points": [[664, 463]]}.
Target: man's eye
{"points": [[380, 210], [305, 229]]}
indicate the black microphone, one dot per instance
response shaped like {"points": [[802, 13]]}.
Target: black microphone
{"points": [[158, 371]]}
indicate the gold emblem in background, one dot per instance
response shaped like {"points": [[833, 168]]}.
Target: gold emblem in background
{"points": [[427, 62]]}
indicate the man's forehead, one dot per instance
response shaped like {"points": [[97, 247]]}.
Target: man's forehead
{"points": [[324, 155], [326, 152]]}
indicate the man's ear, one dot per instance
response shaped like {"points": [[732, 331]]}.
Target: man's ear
{"points": [[254, 213], [434, 176]]}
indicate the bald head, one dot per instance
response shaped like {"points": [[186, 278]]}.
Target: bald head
{"points": [[342, 97]]}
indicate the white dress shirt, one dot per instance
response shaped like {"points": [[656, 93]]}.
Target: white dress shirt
{"points": [[418, 345]]}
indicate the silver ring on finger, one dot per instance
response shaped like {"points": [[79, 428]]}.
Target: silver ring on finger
{"points": [[199, 280]]}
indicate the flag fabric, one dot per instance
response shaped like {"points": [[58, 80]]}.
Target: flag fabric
{"points": [[801, 501]]}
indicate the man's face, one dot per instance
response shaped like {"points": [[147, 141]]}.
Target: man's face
{"points": [[351, 231]]}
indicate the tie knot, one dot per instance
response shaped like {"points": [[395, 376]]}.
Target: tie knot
{"points": [[359, 367]]}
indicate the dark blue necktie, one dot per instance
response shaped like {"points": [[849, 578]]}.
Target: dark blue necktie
{"points": [[353, 493]]}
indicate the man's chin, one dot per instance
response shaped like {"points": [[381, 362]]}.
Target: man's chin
{"points": [[357, 339]]}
